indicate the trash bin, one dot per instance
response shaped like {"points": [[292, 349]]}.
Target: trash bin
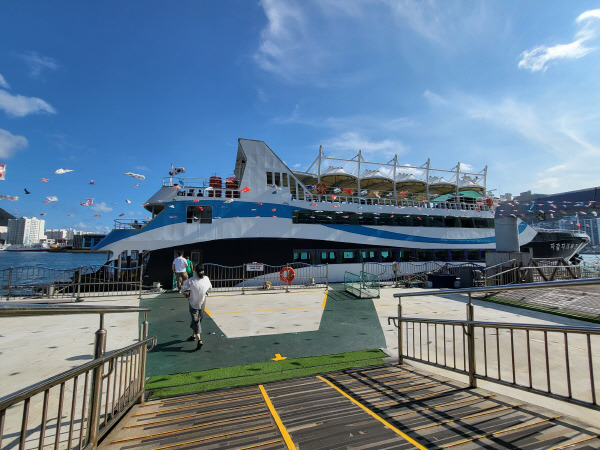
{"points": [[441, 281]]}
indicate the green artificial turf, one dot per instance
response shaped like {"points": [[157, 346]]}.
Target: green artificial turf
{"points": [[206, 380]]}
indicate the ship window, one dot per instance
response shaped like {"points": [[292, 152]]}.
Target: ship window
{"points": [[440, 255], [437, 221], [303, 256], [451, 221], [327, 257], [480, 223], [196, 258], [419, 221], [368, 255], [349, 256], [387, 255], [284, 180], [277, 180], [199, 214], [404, 221], [473, 255], [406, 255], [423, 255], [466, 222], [457, 255]]}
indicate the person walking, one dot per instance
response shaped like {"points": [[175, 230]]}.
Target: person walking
{"points": [[196, 289], [190, 267], [179, 266]]}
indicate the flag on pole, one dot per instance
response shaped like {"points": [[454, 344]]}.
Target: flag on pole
{"points": [[2, 171]]}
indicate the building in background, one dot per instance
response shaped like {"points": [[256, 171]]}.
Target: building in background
{"points": [[4, 216], [25, 231], [86, 241], [62, 237]]}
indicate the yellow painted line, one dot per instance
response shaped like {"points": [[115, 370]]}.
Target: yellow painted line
{"points": [[286, 436], [213, 437], [265, 310], [589, 438], [496, 433], [324, 300], [207, 311], [382, 420], [437, 424]]}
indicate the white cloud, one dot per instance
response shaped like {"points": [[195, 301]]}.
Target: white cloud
{"points": [[9, 143], [434, 99], [537, 59], [37, 63], [20, 106], [101, 207], [350, 143], [3, 83]]}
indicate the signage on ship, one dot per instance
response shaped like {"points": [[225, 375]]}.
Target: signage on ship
{"points": [[255, 267], [558, 246]]}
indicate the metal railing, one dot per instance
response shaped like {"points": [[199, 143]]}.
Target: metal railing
{"points": [[556, 361], [539, 270], [365, 285], [83, 281], [407, 274], [76, 408], [252, 277]]}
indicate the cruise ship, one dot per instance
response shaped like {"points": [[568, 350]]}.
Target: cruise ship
{"points": [[339, 212]]}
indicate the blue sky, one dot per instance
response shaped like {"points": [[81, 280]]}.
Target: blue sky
{"points": [[104, 88]]}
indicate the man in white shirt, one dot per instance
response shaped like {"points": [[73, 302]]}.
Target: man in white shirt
{"points": [[196, 289], [179, 265]]}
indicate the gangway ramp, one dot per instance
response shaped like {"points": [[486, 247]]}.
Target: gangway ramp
{"points": [[375, 407]]}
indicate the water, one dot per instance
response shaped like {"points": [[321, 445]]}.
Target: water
{"points": [[61, 261]]}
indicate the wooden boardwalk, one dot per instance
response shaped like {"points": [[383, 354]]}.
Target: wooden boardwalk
{"points": [[380, 407]]}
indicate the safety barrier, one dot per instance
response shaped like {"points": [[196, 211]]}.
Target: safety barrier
{"points": [[255, 276], [410, 274], [76, 408], [83, 281], [365, 285], [556, 361]]}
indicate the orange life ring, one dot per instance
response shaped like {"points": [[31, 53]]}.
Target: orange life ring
{"points": [[287, 274], [321, 188]]}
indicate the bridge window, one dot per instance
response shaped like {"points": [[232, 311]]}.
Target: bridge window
{"points": [[199, 214]]}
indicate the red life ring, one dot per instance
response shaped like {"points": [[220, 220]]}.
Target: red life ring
{"points": [[287, 274], [489, 201], [321, 188]]}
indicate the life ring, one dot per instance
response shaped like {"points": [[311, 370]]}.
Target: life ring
{"points": [[489, 201], [287, 274], [321, 188]]}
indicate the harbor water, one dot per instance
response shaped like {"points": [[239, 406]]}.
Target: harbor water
{"points": [[54, 260]]}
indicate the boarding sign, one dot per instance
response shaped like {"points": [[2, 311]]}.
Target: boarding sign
{"points": [[255, 267]]}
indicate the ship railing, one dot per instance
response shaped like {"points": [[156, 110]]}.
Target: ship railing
{"points": [[130, 224], [76, 408], [35, 283], [409, 274], [561, 362], [540, 269], [400, 203], [258, 276]]}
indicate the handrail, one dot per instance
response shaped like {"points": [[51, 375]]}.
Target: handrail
{"points": [[125, 373], [514, 339], [9, 400], [23, 310], [545, 284]]}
